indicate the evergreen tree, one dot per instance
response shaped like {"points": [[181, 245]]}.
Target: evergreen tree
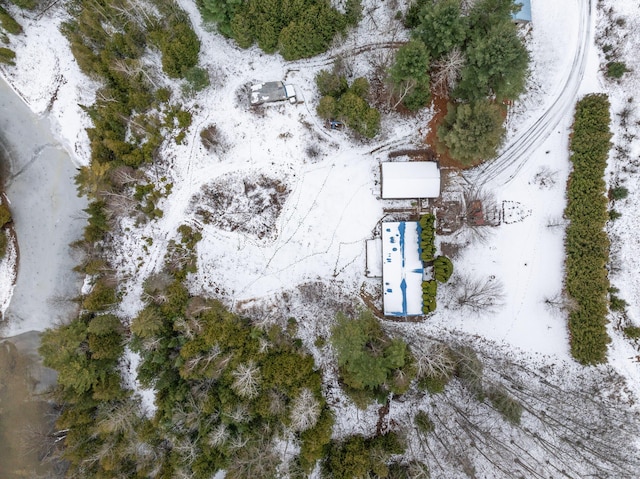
{"points": [[472, 132]]}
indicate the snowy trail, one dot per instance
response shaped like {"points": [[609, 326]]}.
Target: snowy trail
{"points": [[505, 167]]}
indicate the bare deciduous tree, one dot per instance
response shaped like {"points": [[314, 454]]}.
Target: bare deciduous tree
{"points": [[305, 411], [447, 71], [432, 359], [246, 380], [480, 296]]}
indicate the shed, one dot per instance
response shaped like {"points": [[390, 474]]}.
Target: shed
{"points": [[410, 179], [524, 14], [402, 270], [271, 91]]}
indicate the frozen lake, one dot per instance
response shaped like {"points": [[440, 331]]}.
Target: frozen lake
{"points": [[47, 216]]}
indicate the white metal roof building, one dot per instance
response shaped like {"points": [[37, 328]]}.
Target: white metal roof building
{"points": [[410, 179], [402, 270]]}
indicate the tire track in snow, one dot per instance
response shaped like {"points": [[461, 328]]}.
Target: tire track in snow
{"points": [[506, 166]]}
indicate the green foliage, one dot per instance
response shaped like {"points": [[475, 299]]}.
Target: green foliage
{"points": [[331, 83], [616, 69], [586, 243], [3, 244], [434, 384], [26, 4], [97, 223], [615, 302], [5, 214], [100, 298], [427, 237], [442, 269], [357, 457], [440, 26], [7, 56], [315, 441], [423, 423], [148, 324], [410, 74], [506, 405], [368, 359], [429, 292], [197, 80], [472, 132], [618, 193], [8, 22], [179, 45], [631, 332], [469, 370], [298, 29], [614, 215], [347, 103]]}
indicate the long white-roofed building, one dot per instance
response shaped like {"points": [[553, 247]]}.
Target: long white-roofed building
{"points": [[410, 179], [402, 270]]}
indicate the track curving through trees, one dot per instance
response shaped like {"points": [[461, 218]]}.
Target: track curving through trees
{"points": [[505, 167]]}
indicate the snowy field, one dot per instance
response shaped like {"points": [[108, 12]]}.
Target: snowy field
{"points": [[329, 187]]}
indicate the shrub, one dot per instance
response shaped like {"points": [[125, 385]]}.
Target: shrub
{"points": [[427, 237], [442, 269], [423, 423], [3, 244], [9, 23], [614, 215], [5, 214], [616, 69], [618, 193], [616, 303], [469, 370], [429, 291], [506, 405], [434, 384], [7, 56], [197, 79], [632, 332]]}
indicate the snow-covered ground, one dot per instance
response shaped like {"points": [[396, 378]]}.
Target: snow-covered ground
{"points": [[330, 183]]}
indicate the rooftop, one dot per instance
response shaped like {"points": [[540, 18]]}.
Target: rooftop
{"points": [[402, 271], [410, 179]]}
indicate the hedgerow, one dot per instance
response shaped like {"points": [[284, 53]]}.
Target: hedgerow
{"points": [[586, 243], [427, 237]]}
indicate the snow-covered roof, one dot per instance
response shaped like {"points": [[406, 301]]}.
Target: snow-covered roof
{"points": [[402, 271], [524, 14], [268, 91], [410, 179]]}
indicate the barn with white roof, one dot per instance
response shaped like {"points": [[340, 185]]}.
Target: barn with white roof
{"points": [[410, 179]]}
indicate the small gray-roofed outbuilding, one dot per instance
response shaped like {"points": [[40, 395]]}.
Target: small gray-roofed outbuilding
{"points": [[268, 92]]}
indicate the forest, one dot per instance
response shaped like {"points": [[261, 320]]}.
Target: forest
{"points": [[249, 394]]}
